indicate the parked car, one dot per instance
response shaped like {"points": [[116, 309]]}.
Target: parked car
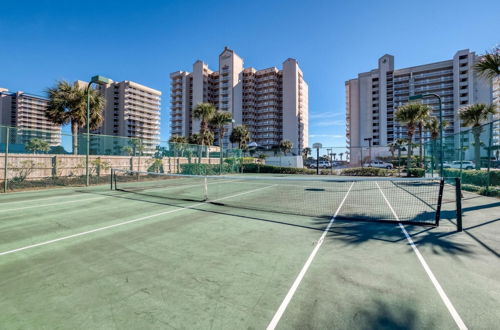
{"points": [[379, 164], [465, 165], [322, 164]]}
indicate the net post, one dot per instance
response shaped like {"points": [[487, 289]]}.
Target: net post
{"points": [[205, 188], [111, 180], [458, 201], [114, 179], [440, 200]]}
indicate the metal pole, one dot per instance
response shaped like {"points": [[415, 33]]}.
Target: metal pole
{"points": [[440, 134], [317, 161], [220, 152], [458, 200], [87, 178], [6, 158], [490, 145]]}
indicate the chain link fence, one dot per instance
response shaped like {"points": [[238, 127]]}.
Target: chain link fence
{"points": [[33, 159]]}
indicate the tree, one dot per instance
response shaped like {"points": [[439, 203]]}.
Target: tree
{"points": [[410, 115], [241, 136], [432, 126], [68, 105], [341, 155], [473, 115], [488, 65], [392, 149], [194, 138], [219, 120], [207, 139], [285, 146], [306, 152], [37, 144], [177, 139], [204, 112], [334, 156], [425, 113], [128, 150]]}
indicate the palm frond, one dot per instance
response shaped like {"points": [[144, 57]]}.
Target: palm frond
{"points": [[488, 65]]}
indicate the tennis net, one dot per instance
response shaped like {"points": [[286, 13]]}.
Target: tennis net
{"points": [[409, 200]]}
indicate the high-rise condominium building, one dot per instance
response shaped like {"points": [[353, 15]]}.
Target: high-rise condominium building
{"points": [[132, 110], [272, 103], [373, 97], [26, 111]]}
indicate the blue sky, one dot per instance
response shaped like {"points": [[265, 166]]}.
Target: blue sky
{"points": [[44, 41]]}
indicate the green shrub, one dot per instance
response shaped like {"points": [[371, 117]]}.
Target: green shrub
{"points": [[205, 169], [417, 172], [474, 177], [257, 168], [492, 191], [366, 171]]}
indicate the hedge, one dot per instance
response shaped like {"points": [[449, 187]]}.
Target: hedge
{"points": [[493, 191], [474, 177], [256, 168], [205, 169], [366, 171]]}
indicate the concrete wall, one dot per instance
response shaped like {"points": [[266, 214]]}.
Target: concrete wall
{"points": [[44, 166]]}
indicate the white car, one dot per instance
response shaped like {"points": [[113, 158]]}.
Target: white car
{"points": [[465, 165], [322, 164], [379, 164]]}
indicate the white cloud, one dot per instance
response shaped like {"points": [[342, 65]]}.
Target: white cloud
{"points": [[323, 115], [329, 123]]}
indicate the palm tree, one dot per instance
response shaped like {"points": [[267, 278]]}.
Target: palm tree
{"points": [[177, 139], [341, 155], [425, 113], [473, 115], [411, 115], [432, 125], [240, 135], [334, 156], [219, 120], [177, 144], [306, 152], [489, 64], [392, 149], [68, 104], [128, 150], [285, 146], [204, 112], [194, 138]]}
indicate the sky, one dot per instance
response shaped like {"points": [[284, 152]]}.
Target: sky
{"points": [[46, 41]]}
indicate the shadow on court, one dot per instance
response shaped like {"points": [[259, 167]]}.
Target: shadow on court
{"points": [[352, 232], [381, 315]]}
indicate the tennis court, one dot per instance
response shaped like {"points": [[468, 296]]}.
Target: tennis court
{"points": [[188, 252]]}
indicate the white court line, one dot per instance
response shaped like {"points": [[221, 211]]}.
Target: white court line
{"points": [[296, 283], [458, 320], [122, 223], [42, 199], [43, 205]]}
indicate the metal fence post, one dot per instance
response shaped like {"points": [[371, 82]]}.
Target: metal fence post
{"points": [[490, 145], [6, 158], [458, 201]]}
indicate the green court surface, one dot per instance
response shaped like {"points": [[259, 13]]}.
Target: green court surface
{"points": [[95, 258]]}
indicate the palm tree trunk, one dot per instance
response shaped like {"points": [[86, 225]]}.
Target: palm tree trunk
{"points": [[74, 133], [477, 147]]}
